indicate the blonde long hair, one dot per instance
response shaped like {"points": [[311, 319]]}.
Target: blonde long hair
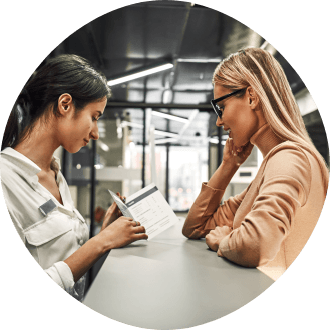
{"points": [[257, 68]]}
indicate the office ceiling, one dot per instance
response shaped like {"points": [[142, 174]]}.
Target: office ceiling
{"points": [[193, 37]]}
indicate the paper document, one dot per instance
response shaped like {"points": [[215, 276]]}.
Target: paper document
{"points": [[149, 207], [122, 207]]}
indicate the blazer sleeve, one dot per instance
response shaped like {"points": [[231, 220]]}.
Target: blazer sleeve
{"points": [[206, 213], [282, 192]]}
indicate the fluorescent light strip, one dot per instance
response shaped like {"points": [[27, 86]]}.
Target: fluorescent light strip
{"points": [[199, 60], [166, 134], [159, 141], [214, 140], [102, 145], [127, 123], [169, 116], [162, 133], [140, 74]]}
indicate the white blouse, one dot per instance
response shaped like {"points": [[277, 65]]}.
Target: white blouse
{"points": [[50, 234]]}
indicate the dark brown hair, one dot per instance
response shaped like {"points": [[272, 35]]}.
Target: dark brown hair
{"points": [[70, 74]]}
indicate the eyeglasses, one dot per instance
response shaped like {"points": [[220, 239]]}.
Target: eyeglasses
{"points": [[214, 103]]}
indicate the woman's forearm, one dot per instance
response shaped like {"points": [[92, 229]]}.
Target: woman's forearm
{"points": [[200, 216], [222, 176], [120, 233], [85, 257]]}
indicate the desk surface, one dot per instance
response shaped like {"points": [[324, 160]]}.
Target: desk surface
{"points": [[171, 282]]}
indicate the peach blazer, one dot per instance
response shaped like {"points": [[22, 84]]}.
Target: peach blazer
{"points": [[273, 217]]}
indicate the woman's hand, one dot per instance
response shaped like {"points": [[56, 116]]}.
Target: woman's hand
{"points": [[112, 213], [236, 155], [214, 237], [121, 232], [232, 159]]}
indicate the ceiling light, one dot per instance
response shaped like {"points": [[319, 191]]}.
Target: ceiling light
{"points": [[167, 95], [102, 145], [161, 141], [268, 47], [162, 133], [199, 60], [141, 73], [169, 116], [128, 123], [214, 140]]}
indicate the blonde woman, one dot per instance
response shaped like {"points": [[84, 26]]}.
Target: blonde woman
{"points": [[268, 224]]}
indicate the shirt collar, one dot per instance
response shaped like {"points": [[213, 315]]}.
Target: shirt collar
{"points": [[58, 161], [26, 165]]}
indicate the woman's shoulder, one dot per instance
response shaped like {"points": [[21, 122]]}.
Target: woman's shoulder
{"points": [[290, 153], [290, 161], [295, 166], [19, 182], [16, 168], [7, 167], [11, 175]]}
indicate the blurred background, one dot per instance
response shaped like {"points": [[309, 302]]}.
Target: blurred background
{"points": [[161, 127]]}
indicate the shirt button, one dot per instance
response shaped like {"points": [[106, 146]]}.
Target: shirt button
{"points": [[81, 242]]}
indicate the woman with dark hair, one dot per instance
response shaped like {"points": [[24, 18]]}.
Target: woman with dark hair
{"points": [[268, 223], [59, 106]]}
